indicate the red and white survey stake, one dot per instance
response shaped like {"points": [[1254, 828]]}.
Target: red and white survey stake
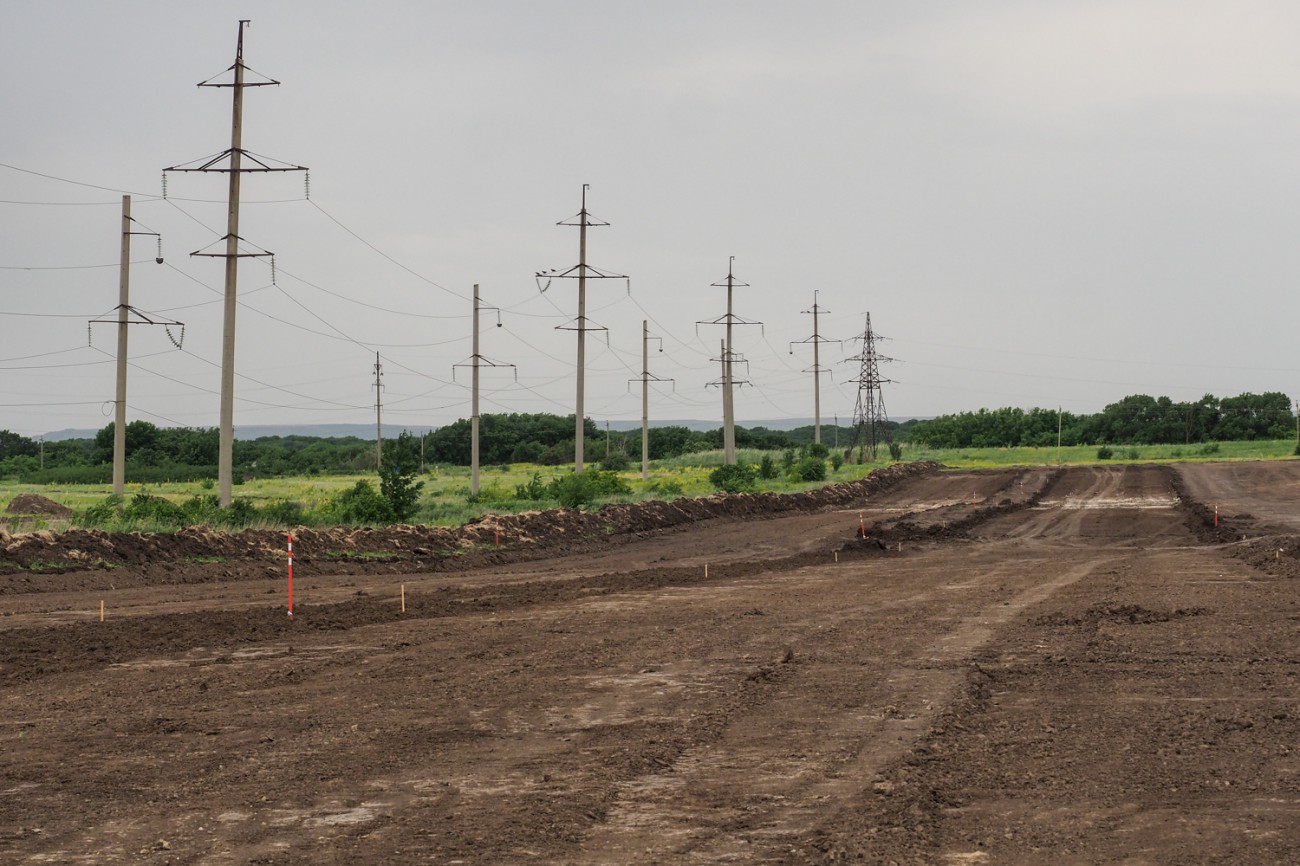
{"points": [[290, 574]]}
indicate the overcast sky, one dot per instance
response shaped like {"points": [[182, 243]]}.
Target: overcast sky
{"points": [[1039, 203]]}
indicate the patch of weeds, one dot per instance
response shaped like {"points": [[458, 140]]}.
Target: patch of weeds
{"points": [[366, 555], [48, 565], [205, 560]]}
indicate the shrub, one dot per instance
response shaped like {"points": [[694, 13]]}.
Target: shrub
{"points": [[668, 487], [146, 508], [402, 492], [837, 461], [895, 451], [615, 462], [787, 459], [533, 490], [767, 467], [1105, 453], [1132, 454], [810, 469], [360, 504], [577, 489], [736, 478], [818, 449]]}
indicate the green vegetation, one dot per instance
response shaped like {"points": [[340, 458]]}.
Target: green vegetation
{"points": [[325, 482], [737, 478], [1135, 420]]}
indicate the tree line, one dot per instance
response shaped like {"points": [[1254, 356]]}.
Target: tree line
{"points": [[1138, 419], [190, 453], [156, 453]]}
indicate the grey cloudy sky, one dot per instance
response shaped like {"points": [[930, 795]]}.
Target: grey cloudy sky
{"points": [[1040, 203]]}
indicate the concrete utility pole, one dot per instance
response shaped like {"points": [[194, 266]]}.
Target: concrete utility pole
{"points": [[475, 362], [123, 320], [379, 423], [728, 357], [816, 369], [473, 404], [646, 378], [123, 303], [236, 154], [581, 272]]}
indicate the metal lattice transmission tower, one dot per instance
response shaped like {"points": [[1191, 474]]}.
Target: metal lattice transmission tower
{"points": [[869, 415], [231, 161], [816, 369], [580, 272], [727, 358]]}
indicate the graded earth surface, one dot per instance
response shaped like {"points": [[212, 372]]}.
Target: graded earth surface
{"points": [[1020, 666]]}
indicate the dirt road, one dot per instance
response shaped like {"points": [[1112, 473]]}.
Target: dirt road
{"points": [[1057, 666]]}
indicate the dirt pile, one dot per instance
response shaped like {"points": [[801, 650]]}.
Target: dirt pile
{"points": [[31, 503], [559, 528]]}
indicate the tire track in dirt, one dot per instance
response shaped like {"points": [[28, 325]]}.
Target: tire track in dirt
{"points": [[674, 815]]}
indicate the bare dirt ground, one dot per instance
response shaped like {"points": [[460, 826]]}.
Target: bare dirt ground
{"points": [[1021, 666]]}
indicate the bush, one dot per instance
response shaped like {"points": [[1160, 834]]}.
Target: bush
{"points": [[577, 489], [1132, 454], [361, 504], [1105, 453], [668, 487], [837, 461], [154, 509], [736, 478], [532, 491], [787, 459], [818, 449], [402, 492], [615, 462], [767, 467], [810, 469], [895, 451]]}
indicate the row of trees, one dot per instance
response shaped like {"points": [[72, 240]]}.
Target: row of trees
{"points": [[1136, 420], [178, 453], [175, 453]]}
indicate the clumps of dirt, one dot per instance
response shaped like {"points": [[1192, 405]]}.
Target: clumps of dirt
{"points": [[31, 503], [431, 547], [950, 530], [1131, 613], [1204, 523]]}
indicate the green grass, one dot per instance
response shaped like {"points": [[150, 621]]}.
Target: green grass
{"points": [[444, 501]]}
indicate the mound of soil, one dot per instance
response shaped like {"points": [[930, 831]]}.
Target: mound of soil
{"points": [[31, 503], [430, 546]]}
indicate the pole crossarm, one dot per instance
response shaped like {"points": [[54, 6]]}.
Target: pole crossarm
{"points": [[482, 361], [262, 163], [142, 318], [226, 255]]}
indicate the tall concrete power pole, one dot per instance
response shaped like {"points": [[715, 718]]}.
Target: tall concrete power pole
{"points": [[581, 272], [232, 161], [816, 369], [645, 379], [124, 319], [476, 361], [728, 358]]}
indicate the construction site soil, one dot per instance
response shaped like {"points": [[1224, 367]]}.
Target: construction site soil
{"points": [[1022, 666]]}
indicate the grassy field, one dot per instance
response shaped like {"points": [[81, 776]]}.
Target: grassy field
{"points": [[445, 499]]}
